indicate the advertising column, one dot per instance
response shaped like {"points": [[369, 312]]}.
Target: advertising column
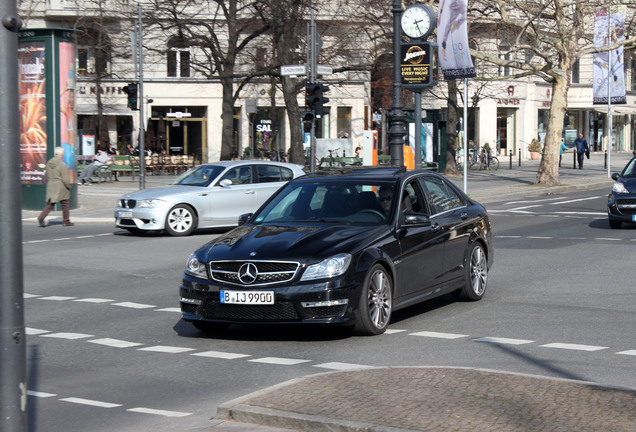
{"points": [[46, 62]]}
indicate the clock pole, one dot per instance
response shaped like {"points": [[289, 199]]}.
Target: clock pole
{"points": [[397, 122]]}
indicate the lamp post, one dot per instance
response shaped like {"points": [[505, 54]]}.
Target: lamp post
{"points": [[397, 122]]}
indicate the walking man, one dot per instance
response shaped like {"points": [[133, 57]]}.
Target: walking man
{"points": [[58, 188], [581, 148]]}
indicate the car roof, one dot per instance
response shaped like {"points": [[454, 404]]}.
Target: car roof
{"points": [[233, 163], [375, 173]]}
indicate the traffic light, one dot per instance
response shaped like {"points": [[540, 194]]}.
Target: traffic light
{"points": [[322, 100], [311, 96], [131, 91]]}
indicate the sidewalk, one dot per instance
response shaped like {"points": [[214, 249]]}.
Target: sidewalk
{"points": [[419, 398]]}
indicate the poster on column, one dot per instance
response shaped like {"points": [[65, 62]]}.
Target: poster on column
{"points": [[452, 38], [609, 74], [33, 117]]}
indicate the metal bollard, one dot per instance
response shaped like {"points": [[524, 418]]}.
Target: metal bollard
{"points": [[519, 157], [574, 162], [605, 166], [510, 160]]}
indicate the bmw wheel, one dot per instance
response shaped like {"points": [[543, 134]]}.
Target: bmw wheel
{"points": [[376, 302], [181, 220], [476, 265]]}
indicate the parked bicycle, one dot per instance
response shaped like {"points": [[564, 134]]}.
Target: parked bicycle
{"points": [[488, 161], [472, 160]]}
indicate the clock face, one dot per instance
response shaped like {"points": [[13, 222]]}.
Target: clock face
{"points": [[417, 21]]}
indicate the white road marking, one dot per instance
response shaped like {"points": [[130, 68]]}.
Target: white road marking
{"points": [[56, 298], [174, 309], [221, 355], [505, 341], [94, 300], [540, 237], [279, 361], [393, 331], [115, 343], [40, 394], [343, 366], [91, 402], [628, 352], [159, 412], [508, 236], [607, 239], [576, 347], [63, 335], [438, 335], [166, 349], [25, 295], [35, 331], [134, 305]]}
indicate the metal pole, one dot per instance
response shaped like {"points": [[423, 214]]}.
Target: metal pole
{"points": [[140, 101], [418, 129], [609, 93], [465, 135], [397, 126], [312, 79], [13, 374]]}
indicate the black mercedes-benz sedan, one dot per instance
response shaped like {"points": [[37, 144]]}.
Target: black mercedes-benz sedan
{"points": [[621, 201], [342, 249]]}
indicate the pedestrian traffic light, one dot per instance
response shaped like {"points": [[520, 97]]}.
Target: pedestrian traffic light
{"points": [[131, 91], [311, 96], [322, 100]]}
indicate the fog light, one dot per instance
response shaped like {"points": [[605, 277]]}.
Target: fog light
{"points": [[325, 303], [190, 301]]}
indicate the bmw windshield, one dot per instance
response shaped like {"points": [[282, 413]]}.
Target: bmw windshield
{"points": [[359, 201], [199, 176]]}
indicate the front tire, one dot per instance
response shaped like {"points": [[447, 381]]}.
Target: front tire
{"points": [[181, 220], [476, 277], [614, 224], [376, 302]]}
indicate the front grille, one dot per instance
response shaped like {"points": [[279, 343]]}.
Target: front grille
{"points": [[626, 206], [267, 272], [189, 308], [127, 203], [327, 311], [281, 311]]}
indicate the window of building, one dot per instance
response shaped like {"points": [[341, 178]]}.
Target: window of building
{"points": [[504, 54], [178, 58], [344, 122], [93, 53], [633, 72], [575, 75]]}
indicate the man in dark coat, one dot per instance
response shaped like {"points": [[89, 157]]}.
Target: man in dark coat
{"points": [[58, 188], [581, 147]]}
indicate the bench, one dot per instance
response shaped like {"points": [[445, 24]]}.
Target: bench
{"points": [[125, 164], [103, 174]]}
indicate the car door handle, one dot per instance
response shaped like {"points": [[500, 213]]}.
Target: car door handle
{"points": [[435, 227], [251, 191]]}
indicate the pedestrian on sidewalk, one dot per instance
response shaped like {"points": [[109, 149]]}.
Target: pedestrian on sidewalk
{"points": [[100, 160], [58, 188], [563, 148], [581, 148]]}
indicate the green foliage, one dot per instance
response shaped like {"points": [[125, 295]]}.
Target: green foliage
{"points": [[535, 146]]}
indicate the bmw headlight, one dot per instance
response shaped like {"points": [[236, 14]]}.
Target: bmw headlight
{"points": [[195, 268], [619, 188], [330, 267], [150, 203]]}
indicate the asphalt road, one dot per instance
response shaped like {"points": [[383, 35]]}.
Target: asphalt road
{"points": [[108, 352]]}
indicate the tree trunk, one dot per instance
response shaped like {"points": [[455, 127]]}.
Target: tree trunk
{"points": [[227, 116], [451, 130], [296, 153], [548, 174]]}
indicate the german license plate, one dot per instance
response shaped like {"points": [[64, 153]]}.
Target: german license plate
{"points": [[634, 218], [124, 214], [247, 297]]}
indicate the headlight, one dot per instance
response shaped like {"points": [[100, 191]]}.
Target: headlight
{"points": [[619, 188], [333, 266], [195, 268], [150, 203]]}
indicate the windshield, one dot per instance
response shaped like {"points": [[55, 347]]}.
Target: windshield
{"points": [[201, 175], [630, 169], [349, 201]]}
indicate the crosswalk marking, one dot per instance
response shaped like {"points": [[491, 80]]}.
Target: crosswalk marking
{"points": [[94, 300], [279, 361], [628, 352], [115, 343], [505, 341], [438, 335], [166, 349], [133, 305], [569, 346], [56, 298], [91, 402], [40, 394], [221, 355], [67, 335], [342, 366], [159, 412]]}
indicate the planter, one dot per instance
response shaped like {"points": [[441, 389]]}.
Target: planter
{"points": [[535, 155]]}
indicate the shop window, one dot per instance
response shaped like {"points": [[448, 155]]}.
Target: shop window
{"points": [[344, 122]]}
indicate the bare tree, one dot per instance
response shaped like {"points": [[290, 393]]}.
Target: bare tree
{"points": [[543, 38]]}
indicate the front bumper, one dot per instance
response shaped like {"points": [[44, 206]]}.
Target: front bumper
{"points": [[144, 218], [327, 302], [621, 207]]}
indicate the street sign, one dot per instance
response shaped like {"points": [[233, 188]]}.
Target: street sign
{"points": [[293, 70], [324, 70], [179, 114]]}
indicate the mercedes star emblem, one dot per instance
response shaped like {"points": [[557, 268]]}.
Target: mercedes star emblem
{"points": [[248, 273]]}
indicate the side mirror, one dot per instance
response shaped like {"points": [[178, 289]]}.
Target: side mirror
{"points": [[416, 219], [615, 176], [225, 183], [242, 220]]}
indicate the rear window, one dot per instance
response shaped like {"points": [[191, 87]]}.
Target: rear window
{"points": [[272, 173]]}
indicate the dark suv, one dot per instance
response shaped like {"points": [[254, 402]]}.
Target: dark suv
{"points": [[342, 249]]}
